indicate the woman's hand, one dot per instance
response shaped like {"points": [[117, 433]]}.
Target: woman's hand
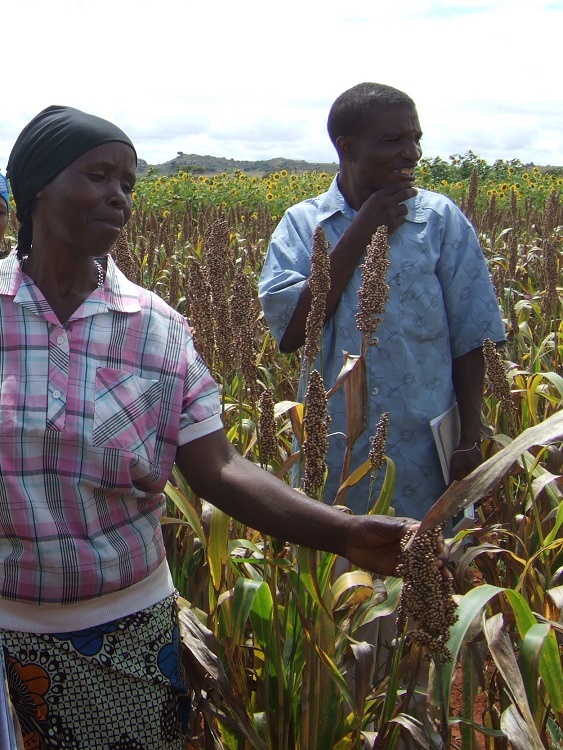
{"points": [[374, 542]]}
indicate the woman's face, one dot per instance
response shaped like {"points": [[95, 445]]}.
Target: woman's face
{"points": [[3, 217], [85, 207]]}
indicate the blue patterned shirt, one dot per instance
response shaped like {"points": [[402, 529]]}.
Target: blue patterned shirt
{"points": [[441, 306]]}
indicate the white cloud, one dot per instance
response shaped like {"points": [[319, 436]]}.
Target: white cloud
{"points": [[256, 80]]}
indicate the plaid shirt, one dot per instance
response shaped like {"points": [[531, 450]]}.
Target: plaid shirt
{"points": [[91, 414]]}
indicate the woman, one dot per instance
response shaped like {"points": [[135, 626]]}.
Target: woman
{"points": [[101, 391]]}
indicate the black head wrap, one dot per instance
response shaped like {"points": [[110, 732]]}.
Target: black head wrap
{"points": [[55, 138]]}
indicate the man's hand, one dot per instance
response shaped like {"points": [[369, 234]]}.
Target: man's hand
{"points": [[385, 207]]}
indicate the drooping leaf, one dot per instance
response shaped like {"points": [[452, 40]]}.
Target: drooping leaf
{"points": [[470, 607], [530, 652], [550, 661], [521, 735], [206, 671], [502, 651], [218, 524], [188, 510], [479, 482]]}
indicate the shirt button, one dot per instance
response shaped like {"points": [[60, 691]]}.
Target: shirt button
{"points": [[375, 391], [60, 339], [56, 394]]}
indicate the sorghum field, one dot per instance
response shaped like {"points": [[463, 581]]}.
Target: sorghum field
{"points": [[275, 635]]}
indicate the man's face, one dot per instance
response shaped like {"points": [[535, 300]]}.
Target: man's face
{"points": [[385, 151]]}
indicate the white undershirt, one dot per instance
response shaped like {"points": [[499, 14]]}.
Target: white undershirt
{"points": [[59, 618]]}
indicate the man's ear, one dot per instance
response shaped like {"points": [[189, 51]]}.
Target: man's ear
{"points": [[345, 147]]}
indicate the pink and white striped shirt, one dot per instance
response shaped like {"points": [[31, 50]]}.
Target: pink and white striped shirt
{"points": [[91, 414]]}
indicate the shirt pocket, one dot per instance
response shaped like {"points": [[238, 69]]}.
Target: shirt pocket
{"points": [[126, 412]]}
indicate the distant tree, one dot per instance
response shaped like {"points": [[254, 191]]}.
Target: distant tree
{"points": [[180, 153]]}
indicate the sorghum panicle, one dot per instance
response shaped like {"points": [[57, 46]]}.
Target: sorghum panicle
{"points": [[267, 427], [426, 596], [469, 208], [242, 326], [513, 317], [549, 274], [319, 285], [377, 451], [125, 260], [315, 424], [496, 375], [200, 313], [552, 212], [374, 290], [218, 269]]}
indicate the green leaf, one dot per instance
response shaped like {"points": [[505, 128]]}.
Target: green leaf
{"points": [[261, 616], [470, 607], [383, 502], [558, 523], [243, 599], [530, 652], [502, 651], [309, 578], [188, 510], [217, 543], [550, 661]]}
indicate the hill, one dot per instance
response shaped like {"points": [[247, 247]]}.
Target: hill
{"points": [[210, 165]]}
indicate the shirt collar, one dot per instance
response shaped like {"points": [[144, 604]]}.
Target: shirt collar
{"points": [[118, 293], [333, 202]]}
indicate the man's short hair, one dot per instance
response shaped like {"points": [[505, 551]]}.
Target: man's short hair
{"points": [[356, 105]]}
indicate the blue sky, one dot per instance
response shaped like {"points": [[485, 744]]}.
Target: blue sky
{"points": [[255, 80]]}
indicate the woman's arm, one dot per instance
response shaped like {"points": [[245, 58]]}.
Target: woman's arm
{"points": [[216, 472]]}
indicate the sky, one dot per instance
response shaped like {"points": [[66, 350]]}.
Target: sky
{"points": [[255, 79]]}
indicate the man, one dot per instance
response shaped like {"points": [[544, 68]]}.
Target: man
{"points": [[441, 303]]}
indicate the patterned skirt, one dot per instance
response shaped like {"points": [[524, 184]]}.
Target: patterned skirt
{"points": [[117, 686]]}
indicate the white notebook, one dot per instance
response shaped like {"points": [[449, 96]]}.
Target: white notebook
{"points": [[446, 429]]}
